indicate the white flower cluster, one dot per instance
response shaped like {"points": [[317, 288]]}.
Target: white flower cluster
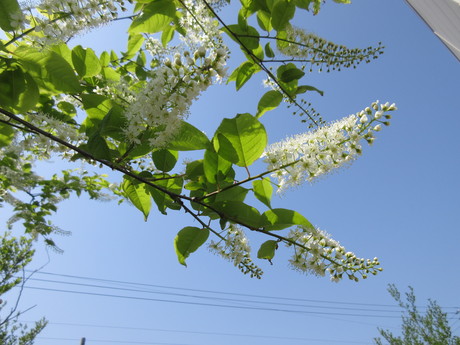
{"points": [[201, 27], [309, 47], [235, 248], [307, 156], [317, 253], [43, 147], [57, 20], [168, 94]]}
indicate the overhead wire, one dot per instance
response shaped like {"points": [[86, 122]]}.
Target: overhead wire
{"points": [[207, 304], [207, 297], [206, 333], [228, 293]]}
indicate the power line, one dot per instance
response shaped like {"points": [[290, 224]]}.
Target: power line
{"points": [[112, 341], [224, 292], [209, 298], [208, 304], [193, 332], [211, 291]]}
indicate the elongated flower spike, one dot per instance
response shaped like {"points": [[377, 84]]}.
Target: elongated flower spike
{"points": [[315, 252], [307, 156]]}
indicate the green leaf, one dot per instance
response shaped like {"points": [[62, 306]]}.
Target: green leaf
{"points": [[98, 147], [269, 101], [85, 62], [236, 193], [97, 107], [18, 90], [167, 34], [268, 51], [291, 74], [67, 108], [164, 159], [50, 68], [282, 12], [113, 123], [6, 134], [243, 73], [188, 138], [244, 135], [134, 44], [188, 240], [63, 50], [239, 211], [267, 250], [263, 19], [213, 164], [305, 4], [8, 8], [263, 190], [194, 170], [155, 17], [305, 88], [163, 200], [104, 59], [280, 218], [137, 193], [241, 32], [288, 72]]}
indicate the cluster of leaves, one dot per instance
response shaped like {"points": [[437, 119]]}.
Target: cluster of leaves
{"points": [[430, 328], [34, 81], [15, 254]]}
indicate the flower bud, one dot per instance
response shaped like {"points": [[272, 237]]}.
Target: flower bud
{"points": [[363, 119], [377, 128]]}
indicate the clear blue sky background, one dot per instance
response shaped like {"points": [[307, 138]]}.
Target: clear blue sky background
{"points": [[399, 202]]}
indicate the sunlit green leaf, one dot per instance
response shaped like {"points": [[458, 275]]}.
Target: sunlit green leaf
{"points": [[188, 240], [85, 62], [213, 164], [164, 159], [263, 19], [267, 250], [163, 201], [280, 218], [50, 67], [239, 211], [243, 73], [282, 12], [236, 193], [134, 44], [155, 17], [136, 192], [247, 35], [263, 190], [290, 74], [188, 138], [245, 136], [269, 101], [305, 88]]}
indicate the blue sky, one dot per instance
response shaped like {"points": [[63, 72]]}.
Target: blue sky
{"points": [[399, 201]]}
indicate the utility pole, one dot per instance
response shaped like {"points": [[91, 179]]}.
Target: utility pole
{"points": [[83, 341]]}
